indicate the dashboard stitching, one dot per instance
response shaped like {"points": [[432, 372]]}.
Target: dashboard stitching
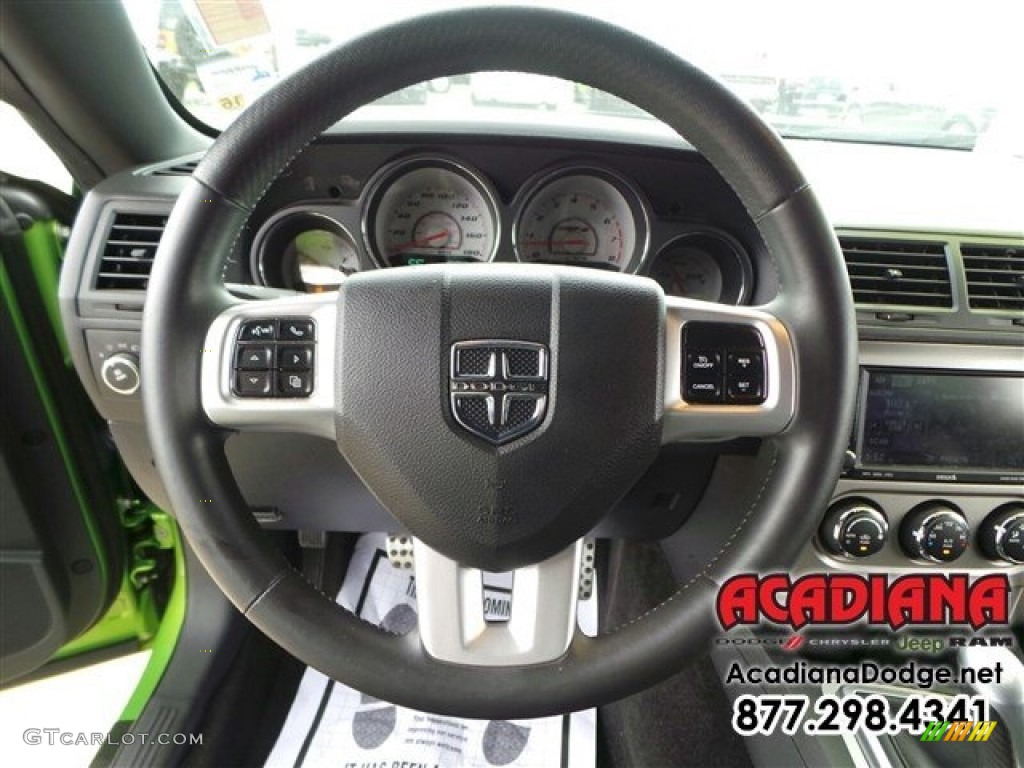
{"points": [[718, 555]]}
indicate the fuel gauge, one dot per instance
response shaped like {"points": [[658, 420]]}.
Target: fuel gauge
{"points": [[304, 251], [323, 259], [689, 272], [704, 266]]}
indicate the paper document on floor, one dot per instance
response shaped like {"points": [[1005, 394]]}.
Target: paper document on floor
{"points": [[331, 724]]}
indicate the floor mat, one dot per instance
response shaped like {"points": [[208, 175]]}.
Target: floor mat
{"points": [[333, 725]]}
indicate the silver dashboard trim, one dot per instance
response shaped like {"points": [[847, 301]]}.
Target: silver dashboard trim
{"points": [[968, 357]]}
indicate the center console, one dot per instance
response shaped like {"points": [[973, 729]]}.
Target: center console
{"points": [[933, 482], [934, 474]]}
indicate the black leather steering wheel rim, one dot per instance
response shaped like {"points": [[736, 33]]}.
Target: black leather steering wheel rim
{"points": [[798, 467]]}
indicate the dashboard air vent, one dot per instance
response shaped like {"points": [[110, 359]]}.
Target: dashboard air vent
{"points": [[181, 169], [995, 276], [128, 252], [902, 273]]}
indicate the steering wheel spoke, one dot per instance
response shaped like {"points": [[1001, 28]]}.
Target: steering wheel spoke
{"points": [[540, 626], [269, 366], [729, 372]]}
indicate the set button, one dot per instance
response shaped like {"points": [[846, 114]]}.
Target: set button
{"points": [[744, 377]]}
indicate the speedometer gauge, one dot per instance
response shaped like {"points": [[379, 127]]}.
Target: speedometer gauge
{"points": [[586, 217], [430, 210]]}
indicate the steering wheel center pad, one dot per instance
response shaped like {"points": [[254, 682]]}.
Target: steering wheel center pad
{"points": [[599, 342]]}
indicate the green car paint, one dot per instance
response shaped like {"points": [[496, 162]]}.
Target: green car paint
{"points": [[166, 639], [45, 254], [133, 615], [24, 334]]}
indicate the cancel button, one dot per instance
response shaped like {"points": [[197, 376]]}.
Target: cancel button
{"points": [[703, 376]]}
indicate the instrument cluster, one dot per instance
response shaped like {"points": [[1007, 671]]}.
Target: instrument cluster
{"points": [[429, 209]]}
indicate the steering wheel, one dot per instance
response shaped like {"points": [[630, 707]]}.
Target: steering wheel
{"points": [[584, 366]]}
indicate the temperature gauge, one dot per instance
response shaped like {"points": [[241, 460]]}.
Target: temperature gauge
{"points": [[705, 266]]}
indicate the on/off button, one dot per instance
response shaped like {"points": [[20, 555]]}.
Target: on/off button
{"points": [[703, 376]]}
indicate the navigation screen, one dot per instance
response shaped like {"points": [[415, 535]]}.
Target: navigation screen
{"points": [[959, 421]]}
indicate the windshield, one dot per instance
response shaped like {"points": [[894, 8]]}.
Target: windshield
{"points": [[928, 73]]}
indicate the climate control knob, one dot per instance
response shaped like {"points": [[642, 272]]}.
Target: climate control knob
{"points": [[935, 531], [1001, 536], [854, 528], [120, 373]]}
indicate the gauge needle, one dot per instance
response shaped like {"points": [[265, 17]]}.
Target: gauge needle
{"points": [[420, 242], [684, 277]]}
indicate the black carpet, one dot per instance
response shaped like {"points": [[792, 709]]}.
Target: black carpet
{"points": [[685, 721]]}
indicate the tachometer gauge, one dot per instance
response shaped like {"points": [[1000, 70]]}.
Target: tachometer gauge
{"points": [[706, 266], [304, 251], [586, 217], [429, 210]]}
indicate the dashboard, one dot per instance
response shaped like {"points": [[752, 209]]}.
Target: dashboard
{"points": [[426, 208], [935, 467], [609, 210]]}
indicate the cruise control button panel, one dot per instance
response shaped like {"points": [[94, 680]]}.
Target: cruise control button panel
{"points": [[274, 357], [744, 376], [723, 364]]}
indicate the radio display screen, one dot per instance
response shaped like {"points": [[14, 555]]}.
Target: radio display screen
{"points": [[929, 420]]}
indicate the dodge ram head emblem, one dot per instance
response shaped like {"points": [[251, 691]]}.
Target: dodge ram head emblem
{"points": [[498, 388]]}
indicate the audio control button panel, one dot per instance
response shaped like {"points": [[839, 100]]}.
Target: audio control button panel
{"points": [[274, 357]]}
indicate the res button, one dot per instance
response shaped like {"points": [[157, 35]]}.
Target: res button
{"points": [[744, 376]]}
